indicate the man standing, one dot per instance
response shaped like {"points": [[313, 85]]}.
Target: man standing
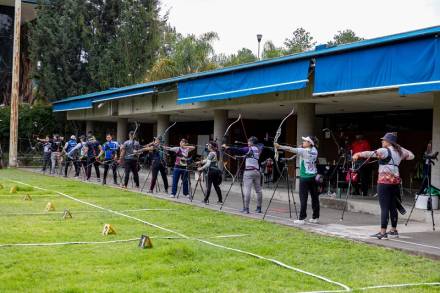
{"points": [[361, 145], [46, 153], [56, 146], [110, 151], [251, 175], [129, 158], [68, 146], [92, 149], [78, 155], [158, 163]]}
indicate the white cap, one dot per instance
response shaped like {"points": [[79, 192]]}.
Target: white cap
{"points": [[73, 137], [308, 139]]}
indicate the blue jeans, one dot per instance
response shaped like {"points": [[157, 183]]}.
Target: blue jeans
{"points": [[177, 173]]}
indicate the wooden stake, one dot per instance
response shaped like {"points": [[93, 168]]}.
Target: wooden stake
{"points": [[13, 140]]}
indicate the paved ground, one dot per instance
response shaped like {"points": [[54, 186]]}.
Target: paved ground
{"points": [[417, 238]]}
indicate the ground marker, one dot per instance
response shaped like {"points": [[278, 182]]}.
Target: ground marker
{"points": [[27, 197], [50, 207], [13, 189], [67, 214], [145, 242], [108, 229]]}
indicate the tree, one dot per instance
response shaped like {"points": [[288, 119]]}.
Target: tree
{"points": [[188, 54], [344, 37], [78, 47], [243, 55], [271, 51], [300, 41], [56, 45]]}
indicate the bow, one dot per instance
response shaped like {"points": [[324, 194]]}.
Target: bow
{"points": [[135, 129], [277, 136], [166, 130], [224, 141]]}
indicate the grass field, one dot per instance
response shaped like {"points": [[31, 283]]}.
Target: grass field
{"points": [[175, 265]]}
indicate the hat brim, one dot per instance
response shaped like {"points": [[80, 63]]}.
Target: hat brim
{"points": [[308, 139]]}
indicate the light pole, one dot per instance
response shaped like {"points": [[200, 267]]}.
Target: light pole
{"points": [[259, 37]]}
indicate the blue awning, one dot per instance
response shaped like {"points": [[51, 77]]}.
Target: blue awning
{"points": [[119, 95], [73, 105], [258, 80], [86, 101], [401, 65], [426, 87]]}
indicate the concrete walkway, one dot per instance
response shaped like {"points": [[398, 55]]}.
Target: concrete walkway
{"points": [[360, 220]]}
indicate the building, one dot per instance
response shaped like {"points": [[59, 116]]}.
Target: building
{"points": [[372, 86]]}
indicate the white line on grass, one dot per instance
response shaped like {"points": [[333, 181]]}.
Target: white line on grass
{"points": [[346, 288], [79, 212], [415, 243], [110, 241]]}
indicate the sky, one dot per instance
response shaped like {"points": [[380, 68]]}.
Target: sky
{"points": [[238, 22]]}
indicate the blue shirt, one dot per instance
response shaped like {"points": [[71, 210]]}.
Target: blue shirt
{"points": [[110, 149]]}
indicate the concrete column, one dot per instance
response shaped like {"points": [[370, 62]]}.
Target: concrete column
{"points": [[220, 123], [305, 126], [121, 129], [163, 122], [435, 172], [89, 126]]}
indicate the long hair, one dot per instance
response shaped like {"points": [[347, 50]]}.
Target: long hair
{"points": [[398, 148]]}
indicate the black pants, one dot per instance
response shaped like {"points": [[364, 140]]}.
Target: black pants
{"points": [[158, 166], [389, 200], [46, 161], [92, 161], [107, 166], [131, 165], [82, 164], [75, 165], [214, 178], [306, 186]]}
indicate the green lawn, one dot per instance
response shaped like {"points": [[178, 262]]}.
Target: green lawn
{"points": [[175, 265]]}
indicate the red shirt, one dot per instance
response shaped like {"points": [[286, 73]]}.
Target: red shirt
{"points": [[361, 145]]}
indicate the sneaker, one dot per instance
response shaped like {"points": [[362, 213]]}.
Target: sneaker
{"points": [[299, 222], [172, 195], [219, 202], [150, 191], [393, 234], [186, 195], [244, 210], [98, 179], [258, 210], [314, 221], [380, 236], [205, 201], [115, 182], [103, 182]]}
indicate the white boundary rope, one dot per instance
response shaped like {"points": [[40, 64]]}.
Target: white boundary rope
{"points": [[79, 212], [107, 242], [346, 288]]}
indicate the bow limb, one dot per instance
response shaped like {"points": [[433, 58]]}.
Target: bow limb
{"points": [[166, 130], [277, 136], [223, 152]]}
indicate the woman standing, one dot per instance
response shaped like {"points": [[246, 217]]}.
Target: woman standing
{"points": [[214, 173], [390, 156], [307, 183], [180, 166]]}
